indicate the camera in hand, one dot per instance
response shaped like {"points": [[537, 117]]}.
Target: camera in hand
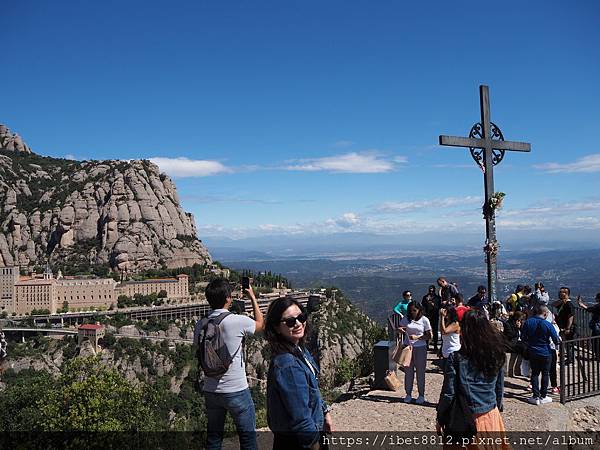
{"points": [[245, 283]]}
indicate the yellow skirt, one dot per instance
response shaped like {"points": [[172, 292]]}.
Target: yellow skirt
{"points": [[491, 434]]}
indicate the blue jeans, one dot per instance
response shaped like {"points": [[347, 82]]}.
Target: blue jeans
{"points": [[241, 407], [539, 364]]}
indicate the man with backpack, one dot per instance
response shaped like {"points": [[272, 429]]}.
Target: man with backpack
{"points": [[220, 337]]}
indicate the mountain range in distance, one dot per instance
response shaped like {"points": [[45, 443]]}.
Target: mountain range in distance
{"points": [[374, 278]]}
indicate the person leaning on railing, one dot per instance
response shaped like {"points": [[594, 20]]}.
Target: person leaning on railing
{"points": [[594, 322], [565, 319]]}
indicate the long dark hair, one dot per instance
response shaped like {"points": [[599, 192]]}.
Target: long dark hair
{"points": [[451, 317], [418, 307], [481, 343], [277, 343]]}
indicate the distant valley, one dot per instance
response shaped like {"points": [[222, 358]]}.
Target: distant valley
{"points": [[374, 281]]}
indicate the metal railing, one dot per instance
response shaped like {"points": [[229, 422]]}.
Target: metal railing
{"points": [[581, 320], [579, 368]]}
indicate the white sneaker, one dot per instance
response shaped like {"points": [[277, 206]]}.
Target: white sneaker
{"points": [[534, 400], [420, 400], [545, 400], [408, 399]]}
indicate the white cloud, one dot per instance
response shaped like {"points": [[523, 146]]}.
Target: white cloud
{"points": [[554, 209], [348, 220], [184, 167], [70, 157], [363, 162], [450, 202], [587, 164], [551, 223]]}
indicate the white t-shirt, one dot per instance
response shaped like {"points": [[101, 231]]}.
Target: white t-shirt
{"points": [[415, 327], [450, 343], [234, 328]]}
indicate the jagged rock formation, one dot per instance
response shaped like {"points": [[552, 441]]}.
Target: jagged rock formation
{"points": [[12, 141], [126, 214]]}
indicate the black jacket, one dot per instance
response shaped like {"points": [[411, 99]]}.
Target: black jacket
{"points": [[431, 307], [511, 335]]}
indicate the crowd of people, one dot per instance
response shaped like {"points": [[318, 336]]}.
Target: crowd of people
{"points": [[481, 343]]}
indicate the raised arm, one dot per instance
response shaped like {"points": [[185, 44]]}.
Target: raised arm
{"points": [[258, 315]]}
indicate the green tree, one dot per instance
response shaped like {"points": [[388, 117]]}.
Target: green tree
{"points": [[93, 397], [18, 408]]}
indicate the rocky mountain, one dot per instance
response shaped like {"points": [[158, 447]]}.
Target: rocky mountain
{"points": [[123, 213]]}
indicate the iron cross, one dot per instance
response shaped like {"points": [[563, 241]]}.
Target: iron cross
{"points": [[487, 146]]}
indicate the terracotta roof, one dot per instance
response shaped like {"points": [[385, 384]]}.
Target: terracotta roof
{"points": [[91, 326]]}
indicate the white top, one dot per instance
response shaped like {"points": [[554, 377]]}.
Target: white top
{"points": [[450, 343], [234, 327], [550, 318], [415, 327]]}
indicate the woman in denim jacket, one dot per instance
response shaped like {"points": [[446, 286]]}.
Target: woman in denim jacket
{"points": [[479, 369], [296, 413]]}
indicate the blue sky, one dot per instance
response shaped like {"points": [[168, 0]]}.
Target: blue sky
{"points": [[319, 116]]}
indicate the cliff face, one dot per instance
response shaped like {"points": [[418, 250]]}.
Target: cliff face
{"points": [[126, 214]]}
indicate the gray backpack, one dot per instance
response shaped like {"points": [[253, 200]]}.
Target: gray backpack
{"points": [[213, 355]]}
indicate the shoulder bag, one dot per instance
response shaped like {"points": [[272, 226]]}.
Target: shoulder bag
{"points": [[460, 424]]}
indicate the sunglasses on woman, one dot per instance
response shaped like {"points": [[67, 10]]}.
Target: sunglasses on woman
{"points": [[291, 321]]}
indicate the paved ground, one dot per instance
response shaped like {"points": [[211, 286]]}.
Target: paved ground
{"points": [[385, 411], [379, 410]]}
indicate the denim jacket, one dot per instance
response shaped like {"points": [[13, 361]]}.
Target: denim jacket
{"points": [[294, 403], [482, 393]]}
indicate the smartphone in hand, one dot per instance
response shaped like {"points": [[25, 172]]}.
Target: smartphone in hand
{"points": [[245, 283]]}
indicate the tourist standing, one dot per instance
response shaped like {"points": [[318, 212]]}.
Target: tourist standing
{"points": [[402, 305], [594, 322], [479, 300], [417, 331], [431, 303], [448, 292], [496, 316], [540, 296], [477, 372], [450, 329], [553, 355], [514, 301], [296, 411], [229, 392], [565, 319], [512, 333], [536, 332]]}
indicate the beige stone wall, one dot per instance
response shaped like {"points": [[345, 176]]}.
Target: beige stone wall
{"points": [[83, 293], [175, 288], [35, 294], [9, 276]]}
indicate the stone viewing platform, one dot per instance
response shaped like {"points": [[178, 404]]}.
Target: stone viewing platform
{"points": [[381, 410]]}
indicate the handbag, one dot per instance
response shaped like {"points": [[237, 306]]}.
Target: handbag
{"points": [[405, 357], [460, 425], [391, 381], [396, 354], [402, 354]]}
